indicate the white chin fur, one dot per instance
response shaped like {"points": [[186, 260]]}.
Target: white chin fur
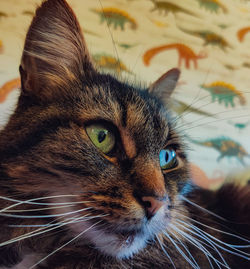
{"points": [[113, 245], [122, 247]]}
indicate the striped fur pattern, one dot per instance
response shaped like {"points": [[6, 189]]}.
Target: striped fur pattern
{"points": [[65, 204]]}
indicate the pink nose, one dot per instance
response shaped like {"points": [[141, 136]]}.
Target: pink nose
{"points": [[152, 205]]}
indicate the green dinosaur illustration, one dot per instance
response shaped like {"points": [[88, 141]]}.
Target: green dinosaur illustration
{"points": [[224, 93], [226, 147], [212, 5], [28, 13], [209, 37], [181, 108], [126, 45], [166, 7], [239, 125], [223, 25], [109, 62], [88, 32], [116, 17]]}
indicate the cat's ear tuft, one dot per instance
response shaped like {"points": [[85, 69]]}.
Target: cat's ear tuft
{"points": [[165, 85], [55, 56]]}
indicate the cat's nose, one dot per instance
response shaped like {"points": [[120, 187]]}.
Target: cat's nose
{"points": [[152, 205]]}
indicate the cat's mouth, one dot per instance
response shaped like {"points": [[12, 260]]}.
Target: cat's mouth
{"points": [[120, 243], [124, 242], [127, 237]]}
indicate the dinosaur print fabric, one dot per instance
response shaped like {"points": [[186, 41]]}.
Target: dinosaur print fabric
{"points": [[138, 40]]}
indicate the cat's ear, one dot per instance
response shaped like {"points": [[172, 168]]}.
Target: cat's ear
{"points": [[55, 56], [165, 85]]}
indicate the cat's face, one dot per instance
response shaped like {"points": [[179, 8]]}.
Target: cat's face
{"points": [[105, 150]]}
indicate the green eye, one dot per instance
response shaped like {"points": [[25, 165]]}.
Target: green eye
{"points": [[168, 159], [101, 137]]}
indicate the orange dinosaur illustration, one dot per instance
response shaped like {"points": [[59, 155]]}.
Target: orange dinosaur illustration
{"points": [[242, 32], [1, 46], [200, 178], [8, 87], [185, 53], [116, 17]]}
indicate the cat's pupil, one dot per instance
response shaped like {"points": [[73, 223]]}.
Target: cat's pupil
{"points": [[167, 156], [101, 136]]}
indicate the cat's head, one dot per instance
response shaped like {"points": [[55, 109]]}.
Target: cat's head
{"points": [[105, 152]]}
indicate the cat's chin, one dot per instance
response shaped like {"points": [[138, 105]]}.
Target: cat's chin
{"points": [[124, 243], [119, 245]]}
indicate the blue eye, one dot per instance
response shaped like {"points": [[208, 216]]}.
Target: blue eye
{"points": [[168, 159]]}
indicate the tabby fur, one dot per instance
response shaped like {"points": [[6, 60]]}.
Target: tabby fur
{"points": [[52, 171]]}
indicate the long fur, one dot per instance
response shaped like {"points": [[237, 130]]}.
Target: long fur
{"points": [[67, 204]]}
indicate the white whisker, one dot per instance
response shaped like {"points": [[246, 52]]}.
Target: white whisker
{"points": [[187, 250], [75, 220], [200, 246], [202, 234], [213, 121], [67, 243], [164, 250], [201, 208], [180, 251], [31, 201], [234, 247], [50, 224], [42, 230], [32, 233], [183, 114], [211, 243], [217, 230], [41, 209], [43, 216]]}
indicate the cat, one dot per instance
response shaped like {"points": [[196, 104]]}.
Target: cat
{"points": [[93, 173]]}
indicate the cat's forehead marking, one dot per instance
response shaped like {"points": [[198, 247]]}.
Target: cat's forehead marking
{"points": [[103, 107], [128, 143], [135, 115], [140, 116]]}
